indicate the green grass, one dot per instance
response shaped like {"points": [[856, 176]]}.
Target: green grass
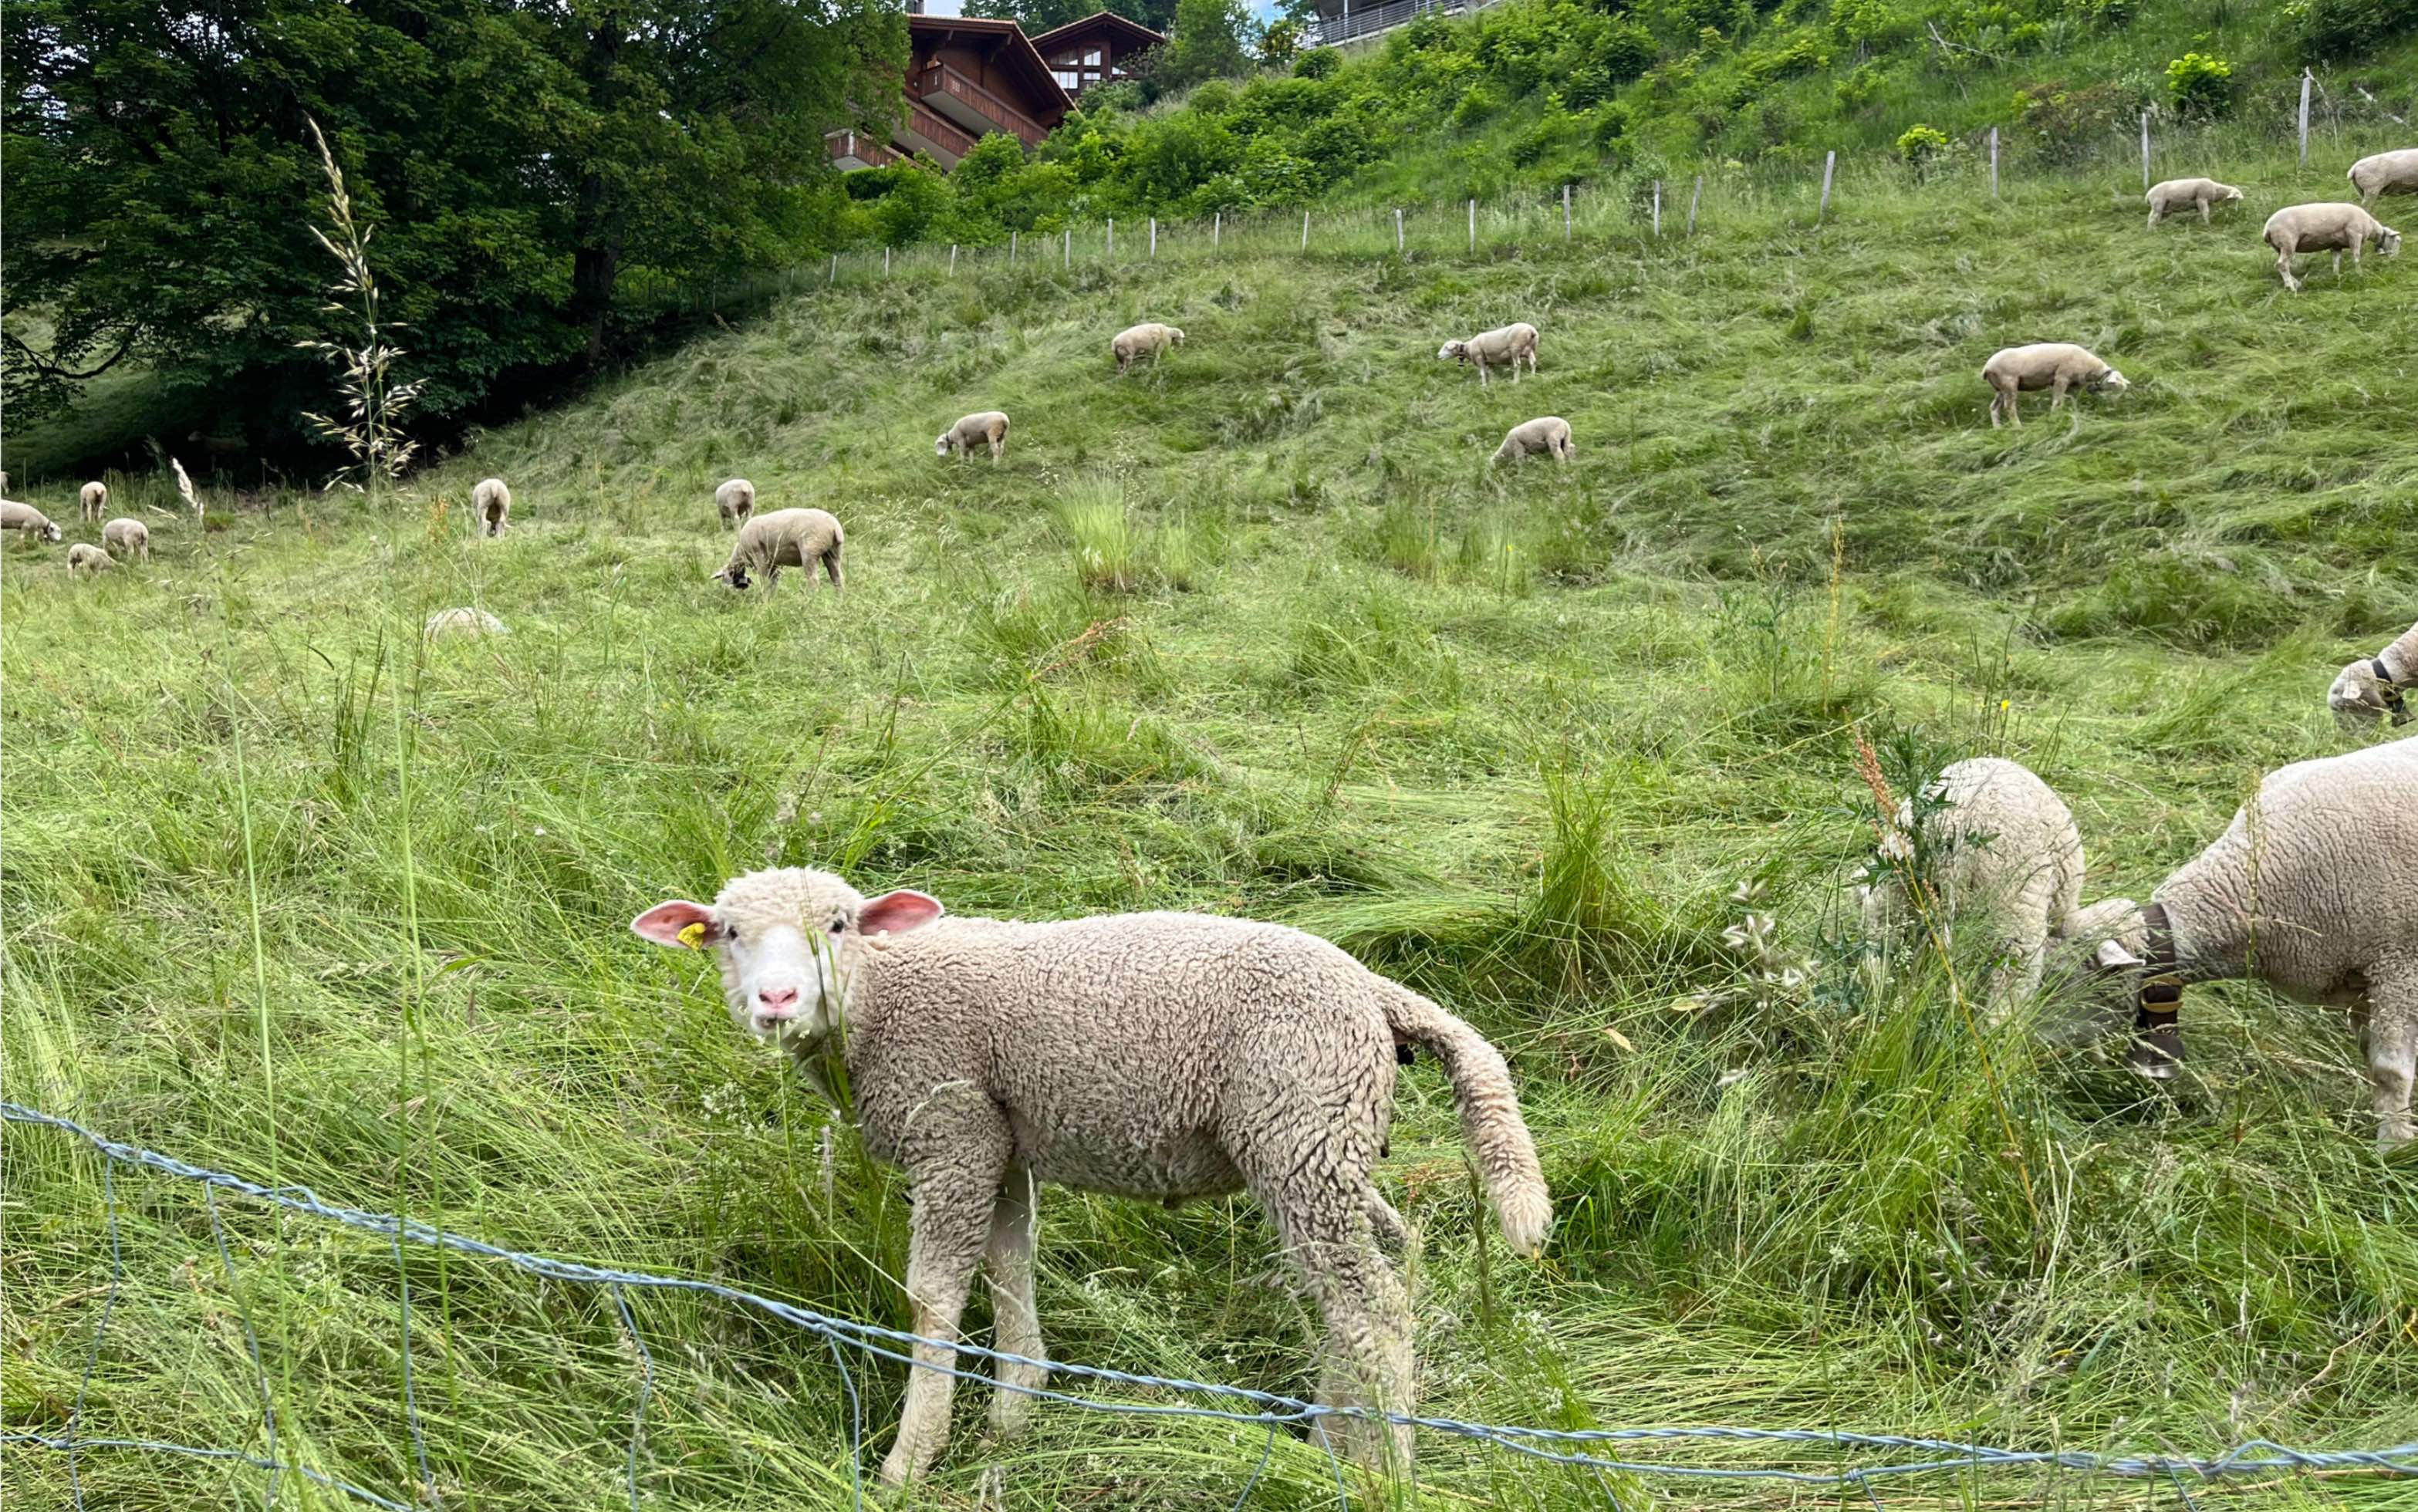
{"points": [[1253, 631]]}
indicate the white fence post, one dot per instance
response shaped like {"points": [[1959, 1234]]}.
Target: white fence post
{"points": [[1305, 231], [2306, 78], [835, 272], [953, 259], [1472, 225], [1994, 162], [1011, 248], [1398, 233], [1153, 238], [1657, 209], [1829, 163], [1693, 200], [1112, 236], [2145, 149], [1566, 212], [1216, 230], [1070, 246], [885, 262]]}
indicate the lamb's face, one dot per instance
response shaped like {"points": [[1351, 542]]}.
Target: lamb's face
{"points": [[2112, 382], [2359, 698], [780, 938], [2388, 241], [2230, 195], [735, 578], [53, 534], [1451, 351], [2094, 967], [940, 445]]}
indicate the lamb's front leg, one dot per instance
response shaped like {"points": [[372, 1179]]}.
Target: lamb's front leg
{"points": [[956, 1183], [1016, 1321]]}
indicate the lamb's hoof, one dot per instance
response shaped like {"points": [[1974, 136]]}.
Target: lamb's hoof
{"points": [[1011, 1415], [2157, 1053]]}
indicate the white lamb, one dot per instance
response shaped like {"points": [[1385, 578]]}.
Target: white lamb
{"points": [[1150, 339], [129, 536], [2335, 228], [2056, 366], [2369, 690], [84, 558], [2312, 890], [1548, 434], [734, 501], [989, 426], [1165, 1056], [490, 501], [2179, 195], [33, 522], [785, 538], [2386, 173], [2000, 851], [93, 499], [1505, 345], [447, 624]]}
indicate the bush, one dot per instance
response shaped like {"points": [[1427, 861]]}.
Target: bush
{"points": [[1920, 144], [2200, 85], [1318, 63], [2328, 31], [1626, 53]]}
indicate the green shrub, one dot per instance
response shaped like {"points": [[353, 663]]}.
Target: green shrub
{"points": [[2327, 31], [1918, 144], [1318, 63], [2200, 85]]}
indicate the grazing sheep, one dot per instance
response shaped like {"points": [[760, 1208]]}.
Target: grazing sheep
{"points": [[785, 538], [2312, 890], [93, 499], [129, 537], [2055, 366], [490, 501], [2369, 689], [2184, 193], [447, 623], [1155, 1055], [1504, 345], [990, 425], [84, 558], [1547, 433], [2336, 228], [734, 501], [1150, 339], [16, 516], [2003, 853], [2386, 173]]}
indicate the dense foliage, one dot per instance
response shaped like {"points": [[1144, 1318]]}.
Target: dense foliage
{"points": [[528, 168]]}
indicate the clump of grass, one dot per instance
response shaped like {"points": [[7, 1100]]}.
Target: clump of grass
{"points": [[370, 429], [1100, 531]]}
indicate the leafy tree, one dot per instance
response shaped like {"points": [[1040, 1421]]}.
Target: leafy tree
{"points": [[521, 160], [1207, 42]]}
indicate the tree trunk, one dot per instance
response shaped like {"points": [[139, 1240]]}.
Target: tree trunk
{"points": [[596, 262]]}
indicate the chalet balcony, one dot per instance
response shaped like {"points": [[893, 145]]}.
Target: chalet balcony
{"points": [[1360, 22], [854, 150], [972, 107]]}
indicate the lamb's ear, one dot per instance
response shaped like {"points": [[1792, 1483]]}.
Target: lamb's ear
{"points": [[669, 923], [895, 913], [2112, 957]]}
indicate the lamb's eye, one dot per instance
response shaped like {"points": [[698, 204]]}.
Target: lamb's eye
{"points": [[839, 926]]}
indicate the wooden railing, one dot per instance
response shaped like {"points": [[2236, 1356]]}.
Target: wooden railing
{"points": [[1373, 20], [938, 78]]}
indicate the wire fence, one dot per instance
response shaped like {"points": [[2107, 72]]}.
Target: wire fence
{"points": [[1897, 1457]]}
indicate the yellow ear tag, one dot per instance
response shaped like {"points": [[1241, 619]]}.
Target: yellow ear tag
{"points": [[693, 935]]}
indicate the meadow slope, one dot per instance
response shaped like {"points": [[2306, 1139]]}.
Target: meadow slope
{"points": [[1255, 631]]}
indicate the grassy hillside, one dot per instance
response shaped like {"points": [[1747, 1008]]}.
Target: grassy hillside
{"points": [[1255, 632]]}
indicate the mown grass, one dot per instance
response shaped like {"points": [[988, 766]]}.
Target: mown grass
{"points": [[1254, 631]]}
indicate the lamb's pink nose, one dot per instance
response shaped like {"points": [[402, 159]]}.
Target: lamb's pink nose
{"points": [[777, 1002]]}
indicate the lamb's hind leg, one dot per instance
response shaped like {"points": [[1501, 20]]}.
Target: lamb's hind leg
{"points": [[954, 1173], [1016, 1321], [831, 566], [2393, 1050]]}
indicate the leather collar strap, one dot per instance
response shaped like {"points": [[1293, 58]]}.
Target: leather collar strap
{"points": [[2162, 986], [2391, 692]]}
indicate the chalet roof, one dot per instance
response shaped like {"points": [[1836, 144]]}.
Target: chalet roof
{"points": [[1010, 48], [1098, 22]]}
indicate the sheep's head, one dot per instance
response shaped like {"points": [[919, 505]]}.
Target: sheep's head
{"points": [[2111, 381], [2359, 697], [735, 576], [2094, 966], [2388, 241], [2232, 193], [784, 940], [51, 533], [1453, 351], [1175, 334]]}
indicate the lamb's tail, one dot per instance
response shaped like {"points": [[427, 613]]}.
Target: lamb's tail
{"points": [[1490, 1115]]}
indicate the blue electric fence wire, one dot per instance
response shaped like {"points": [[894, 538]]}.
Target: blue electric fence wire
{"points": [[92, 1357], [646, 1387], [1255, 1408], [250, 1340]]}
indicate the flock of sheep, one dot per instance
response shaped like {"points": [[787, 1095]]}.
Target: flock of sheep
{"points": [[1170, 1056]]}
